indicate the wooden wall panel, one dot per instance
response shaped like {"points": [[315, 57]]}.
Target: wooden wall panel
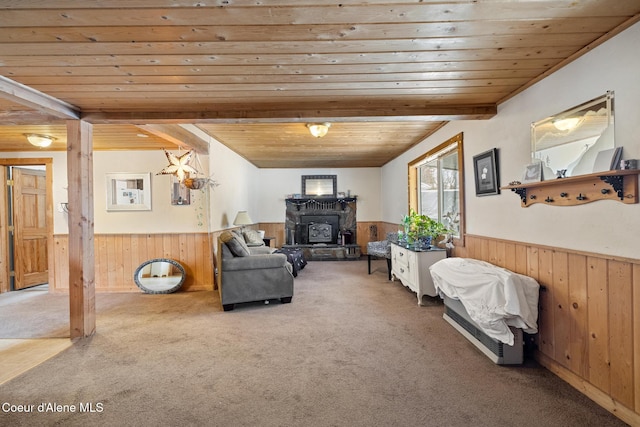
{"points": [[578, 349], [521, 259], [274, 229], [636, 335], [560, 321], [598, 306], [621, 331], [589, 317], [547, 302], [117, 256]]}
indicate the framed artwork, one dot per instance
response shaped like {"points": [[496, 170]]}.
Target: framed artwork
{"points": [[128, 191], [485, 167], [533, 172], [180, 194]]}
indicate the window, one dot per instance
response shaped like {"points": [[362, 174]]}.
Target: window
{"points": [[436, 186]]}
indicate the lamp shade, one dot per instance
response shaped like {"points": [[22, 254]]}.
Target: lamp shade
{"points": [[242, 218], [318, 129]]}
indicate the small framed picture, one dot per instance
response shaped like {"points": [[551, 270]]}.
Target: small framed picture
{"points": [[485, 167], [128, 191], [532, 173]]}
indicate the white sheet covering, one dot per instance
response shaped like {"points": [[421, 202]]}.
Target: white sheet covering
{"points": [[494, 297]]}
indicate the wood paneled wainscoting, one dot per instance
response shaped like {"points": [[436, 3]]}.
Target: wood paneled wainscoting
{"points": [[118, 255], [589, 317], [363, 232]]}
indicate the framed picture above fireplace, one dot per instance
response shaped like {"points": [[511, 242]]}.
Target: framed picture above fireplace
{"points": [[319, 185]]}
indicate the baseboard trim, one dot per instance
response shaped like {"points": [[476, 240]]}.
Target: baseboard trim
{"points": [[592, 392]]}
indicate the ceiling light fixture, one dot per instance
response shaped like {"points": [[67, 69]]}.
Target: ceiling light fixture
{"points": [[38, 140], [318, 129]]}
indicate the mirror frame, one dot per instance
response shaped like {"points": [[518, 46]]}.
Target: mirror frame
{"points": [[540, 128], [324, 180], [166, 291]]}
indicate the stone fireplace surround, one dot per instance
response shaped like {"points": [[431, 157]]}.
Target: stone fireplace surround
{"points": [[320, 215]]}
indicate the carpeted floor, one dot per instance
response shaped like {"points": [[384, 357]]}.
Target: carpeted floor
{"points": [[350, 350], [34, 313]]}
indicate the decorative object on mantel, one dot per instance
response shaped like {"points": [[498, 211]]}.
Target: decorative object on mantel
{"points": [[619, 185], [179, 166], [487, 173]]}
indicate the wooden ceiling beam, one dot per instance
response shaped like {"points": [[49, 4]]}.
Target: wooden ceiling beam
{"points": [[332, 112], [178, 136], [26, 117], [28, 97]]}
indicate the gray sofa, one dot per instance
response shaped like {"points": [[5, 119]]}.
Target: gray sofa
{"points": [[247, 274]]}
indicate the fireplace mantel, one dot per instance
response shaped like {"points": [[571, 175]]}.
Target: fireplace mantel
{"points": [[319, 201], [338, 214]]}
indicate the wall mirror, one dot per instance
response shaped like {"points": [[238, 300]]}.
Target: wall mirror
{"points": [[577, 141], [319, 185], [159, 276]]}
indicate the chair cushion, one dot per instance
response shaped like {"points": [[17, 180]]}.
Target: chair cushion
{"points": [[235, 243], [252, 238], [379, 249]]}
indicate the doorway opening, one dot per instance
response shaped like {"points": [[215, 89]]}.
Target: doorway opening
{"points": [[27, 253]]}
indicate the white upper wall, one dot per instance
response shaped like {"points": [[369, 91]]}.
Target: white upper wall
{"points": [[605, 227], [236, 178], [274, 185], [163, 216]]}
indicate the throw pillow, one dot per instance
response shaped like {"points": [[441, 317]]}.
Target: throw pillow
{"points": [[252, 237], [235, 243]]}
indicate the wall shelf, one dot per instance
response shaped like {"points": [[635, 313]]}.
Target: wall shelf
{"points": [[620, 185]]}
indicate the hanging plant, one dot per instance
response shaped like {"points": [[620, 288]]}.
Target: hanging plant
{"points": [[199, 183]]}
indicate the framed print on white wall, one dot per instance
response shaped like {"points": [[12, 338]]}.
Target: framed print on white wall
{"points": [[485, 168], [128, 191]]}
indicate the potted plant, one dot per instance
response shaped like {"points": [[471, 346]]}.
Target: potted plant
{"points": [[421, 230]]}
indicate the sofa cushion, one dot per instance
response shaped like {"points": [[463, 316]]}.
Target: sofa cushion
{"points": [[252, 238], [235, 243]]}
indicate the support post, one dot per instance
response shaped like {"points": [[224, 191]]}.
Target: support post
{"points": [[81, 244]]}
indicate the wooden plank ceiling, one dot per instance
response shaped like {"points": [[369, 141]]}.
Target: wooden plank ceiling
{"points": [[385, 73]]}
